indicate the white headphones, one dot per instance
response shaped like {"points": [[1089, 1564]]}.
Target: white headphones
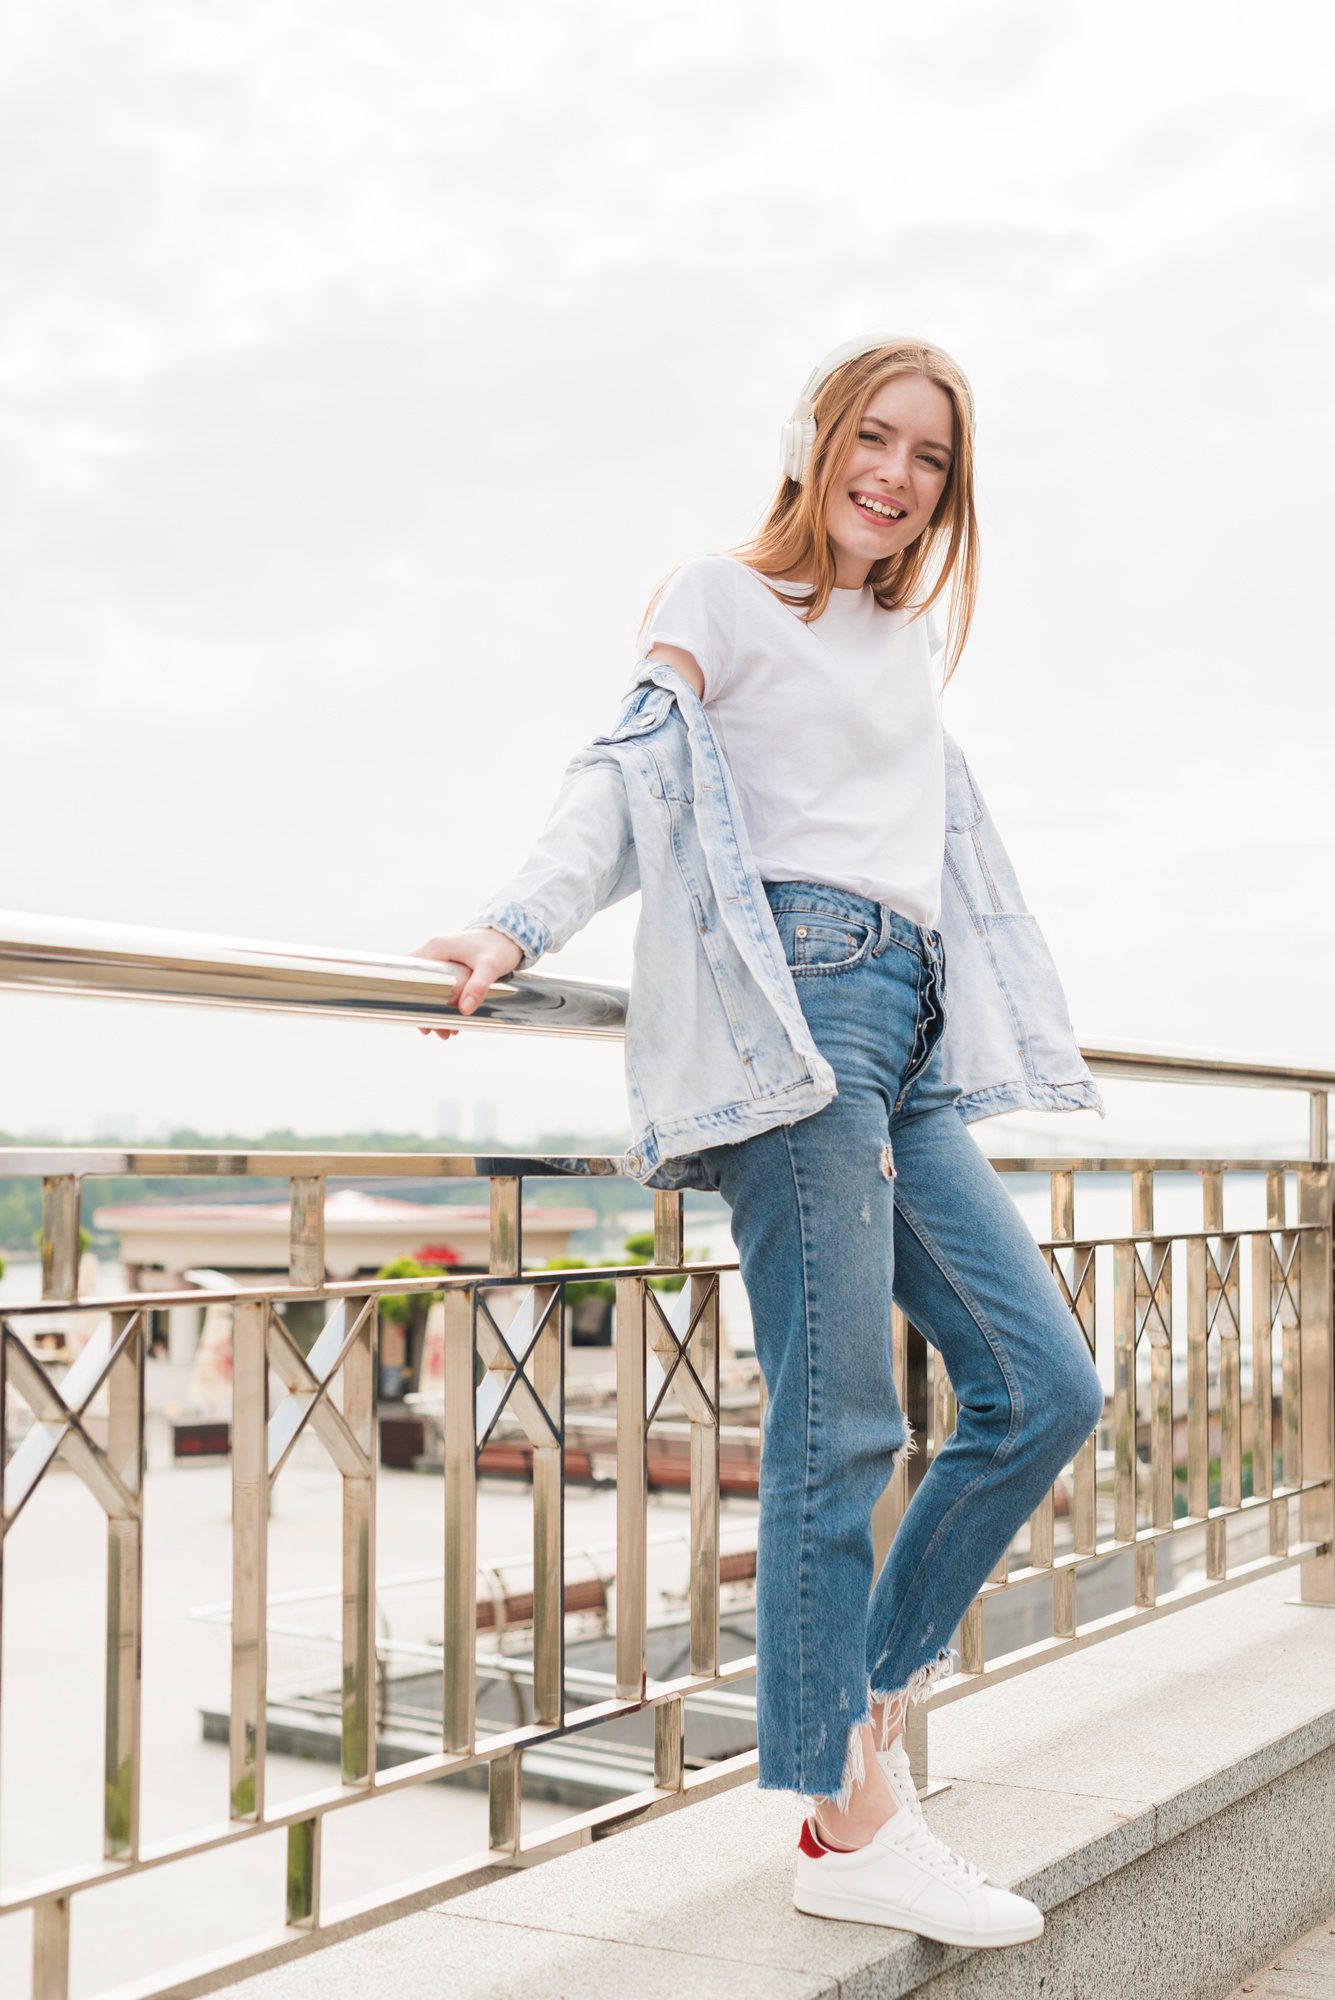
{"points": [[797, 437]]}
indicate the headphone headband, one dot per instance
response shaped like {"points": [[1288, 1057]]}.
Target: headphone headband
{"points": [[797, 437]]}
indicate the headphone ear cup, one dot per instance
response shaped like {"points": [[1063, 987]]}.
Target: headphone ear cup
{"points": [[797, 440]]}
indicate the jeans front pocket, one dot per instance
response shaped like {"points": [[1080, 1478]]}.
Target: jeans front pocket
{"points": [[817, 941]]}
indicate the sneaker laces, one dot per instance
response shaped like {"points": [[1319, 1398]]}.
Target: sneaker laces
{"points": [[894, 1763], [925, 1846]]}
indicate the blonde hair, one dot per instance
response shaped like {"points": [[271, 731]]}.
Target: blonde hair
{"points": [[791, 539]]}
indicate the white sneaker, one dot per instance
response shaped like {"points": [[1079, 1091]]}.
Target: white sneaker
{"points": [[907, 1878], [895, 1764]]}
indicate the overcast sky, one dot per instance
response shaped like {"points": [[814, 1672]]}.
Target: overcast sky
{"points": [[364, 366]]}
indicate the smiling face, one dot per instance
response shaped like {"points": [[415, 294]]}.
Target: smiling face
{"points": [[893, 477]]}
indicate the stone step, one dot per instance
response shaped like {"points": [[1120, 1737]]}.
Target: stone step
{"points": [[1167, 1797]]}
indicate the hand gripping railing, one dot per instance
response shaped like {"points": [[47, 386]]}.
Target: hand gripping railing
{"points": [[1260, 1293]]}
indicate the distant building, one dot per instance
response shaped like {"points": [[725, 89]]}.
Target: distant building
{"points": [[248, 1241]]}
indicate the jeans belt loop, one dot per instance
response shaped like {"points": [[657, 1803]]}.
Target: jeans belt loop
{"points": [[883, 935]]}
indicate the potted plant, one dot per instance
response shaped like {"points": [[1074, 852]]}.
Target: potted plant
{"points": [[403, 1317], [592, 1301], [589, 1302]]}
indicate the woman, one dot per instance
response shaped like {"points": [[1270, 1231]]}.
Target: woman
{"points": [[781, 790]]}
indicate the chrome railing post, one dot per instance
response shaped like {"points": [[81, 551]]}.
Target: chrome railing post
{"points": [[1317, 1508], [547, 1373], [504, 1803], [1061, 1201], [1124, 1390], [303, 1873], [888, 1511], [701, 1295], [247, 1726], [60, 1236], [51, 1949], [359, 1608], [306, 1230], [670, 1745], [911, 1353], [460, 1446], [1042, 1522], [507, 1240], [125, 1587], [1080, 1294], [632, 1489], [1286, 1270]]}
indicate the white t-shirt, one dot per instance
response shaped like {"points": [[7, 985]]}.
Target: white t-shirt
{"points": [[832, 731]]}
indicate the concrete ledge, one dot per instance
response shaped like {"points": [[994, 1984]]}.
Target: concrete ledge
{"points": [[1168, 1798]]}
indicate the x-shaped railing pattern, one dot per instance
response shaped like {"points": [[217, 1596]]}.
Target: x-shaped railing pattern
{"points": [[1223, 1279], [1277, 1311], [112, 1360], [506, 1352], [263, 1439], [669, 1333], [664, 1348], [667, 1356], [524, 1378], [59, 1427], [1078, 1290], [1153, 1267], [308, 1379], [1283, 1276]]}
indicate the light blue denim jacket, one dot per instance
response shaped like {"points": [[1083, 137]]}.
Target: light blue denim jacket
{"points": [[717, 1046]]}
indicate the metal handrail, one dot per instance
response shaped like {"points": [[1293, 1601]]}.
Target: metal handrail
{"points": [[127, 961]]}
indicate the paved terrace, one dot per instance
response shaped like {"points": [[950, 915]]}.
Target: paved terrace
{"points": [[1167, 1797]]}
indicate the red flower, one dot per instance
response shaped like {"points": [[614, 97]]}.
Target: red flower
{"points": [[437, 1253]]}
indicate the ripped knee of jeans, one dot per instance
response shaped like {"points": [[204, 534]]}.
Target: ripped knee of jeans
{"points": [[905, 1450]]}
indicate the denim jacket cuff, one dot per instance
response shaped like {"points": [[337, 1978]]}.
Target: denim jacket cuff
{"points": [[519, 924]]}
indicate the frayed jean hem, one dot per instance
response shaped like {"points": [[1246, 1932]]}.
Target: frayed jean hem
{"points": [[896, 1704], [854, 1772], [916, 1688]]}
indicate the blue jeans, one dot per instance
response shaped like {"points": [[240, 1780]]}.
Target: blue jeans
{"points": [[882, 1195]]}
